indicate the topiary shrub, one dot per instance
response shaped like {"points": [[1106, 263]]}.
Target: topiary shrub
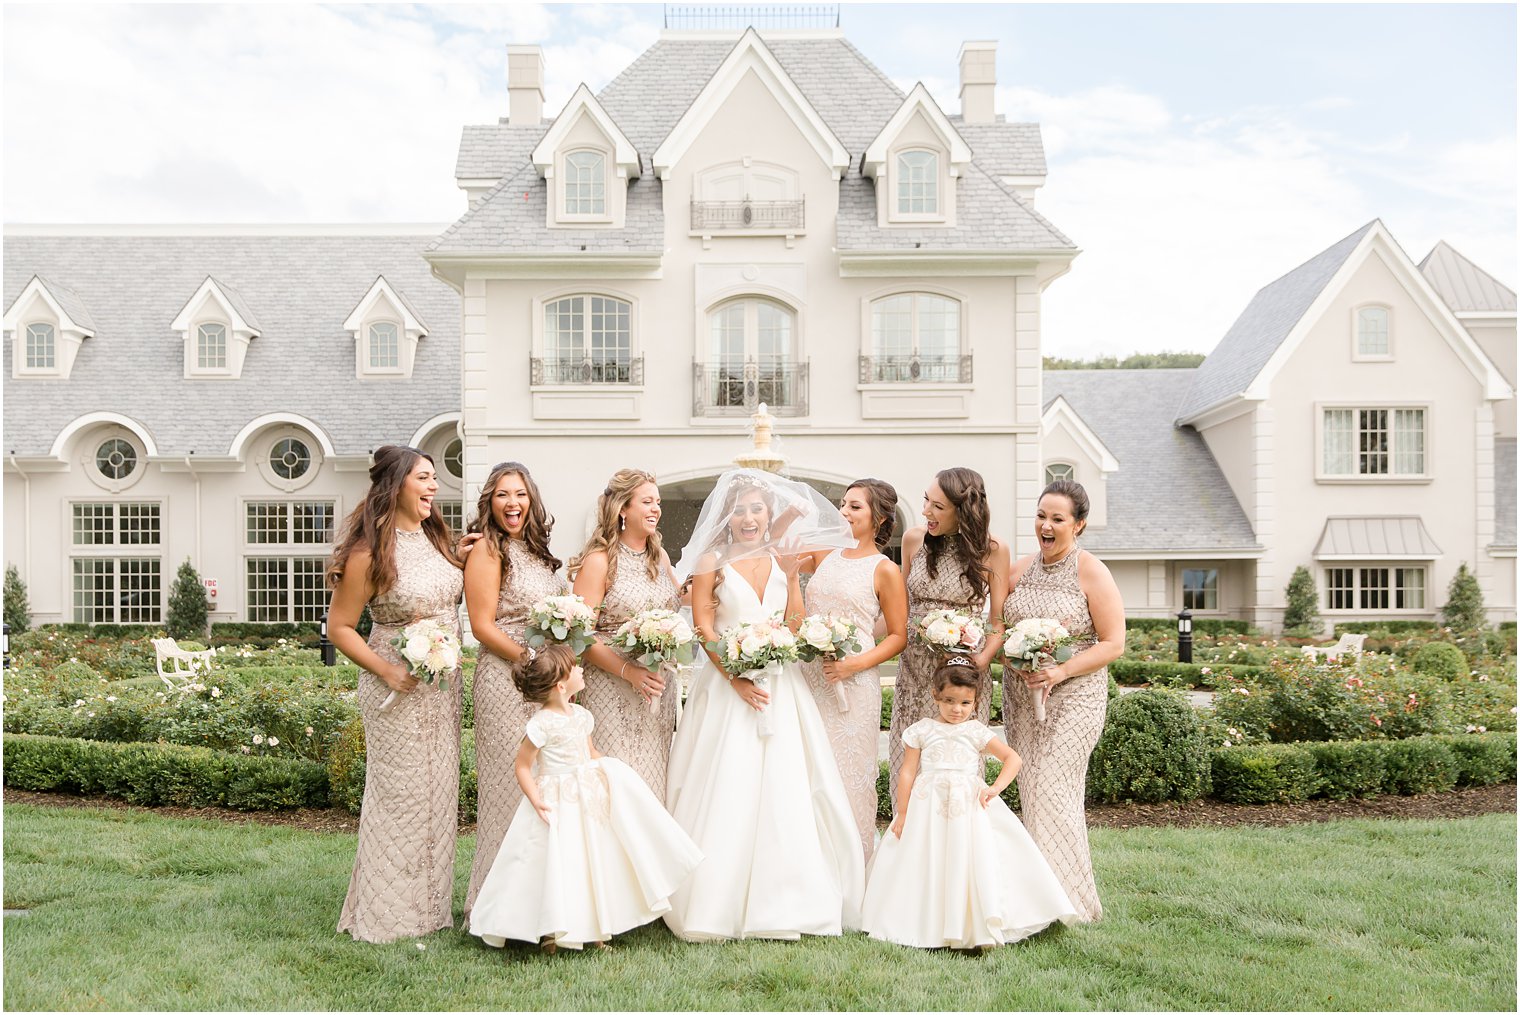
{"points": [[1464, 602], [1152, 749], [18, 612], [886, 708], [1264, 774], [188, 608], [1350, 768], [75, 672], [1440, 659], [1420, 765], [1302, 614]]}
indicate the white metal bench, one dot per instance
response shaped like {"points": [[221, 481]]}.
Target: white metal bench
{"points": [[176, 666], [1349, 644]]}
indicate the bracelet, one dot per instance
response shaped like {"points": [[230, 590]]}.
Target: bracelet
{"points": [[623, 670]]}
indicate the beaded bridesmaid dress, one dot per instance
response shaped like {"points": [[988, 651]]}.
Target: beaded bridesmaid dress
{"points": [[913, 696], [1053, 781], [501, 713], [625, 727], [845, 587], [403, 880]]}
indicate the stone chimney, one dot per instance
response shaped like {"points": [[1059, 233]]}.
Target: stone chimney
{"points": [[978, 81], [525, 85]]}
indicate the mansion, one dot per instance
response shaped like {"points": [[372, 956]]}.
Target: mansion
{"points": [[735, 219]]}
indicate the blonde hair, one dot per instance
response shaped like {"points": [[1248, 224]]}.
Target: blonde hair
{"points": [[609, 510]]}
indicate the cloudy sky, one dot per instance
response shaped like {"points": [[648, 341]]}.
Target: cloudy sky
{"points": [[1196, 152]]}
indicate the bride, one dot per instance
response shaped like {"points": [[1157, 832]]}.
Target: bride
{"points": [[770, 814]]}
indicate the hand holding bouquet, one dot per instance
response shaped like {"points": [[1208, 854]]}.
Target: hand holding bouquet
{"points": [[824, 636], [951, 631], [566, 620], [754, 652], [657, 639], [1034, 644], [430, 651]]}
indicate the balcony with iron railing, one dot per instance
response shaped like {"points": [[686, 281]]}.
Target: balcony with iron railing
{"points": [[736, 389], [586, 370], [748, 216], [912, 369]]}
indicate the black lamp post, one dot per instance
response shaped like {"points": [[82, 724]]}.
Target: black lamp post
{"points": [[5, 643], [1184, 636], [329, 652]]}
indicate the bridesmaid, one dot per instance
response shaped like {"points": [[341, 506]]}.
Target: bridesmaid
{"points": [[625, 571], [512, 570], [951, 562], [861, 585], [1066, 583], [394, 554]]}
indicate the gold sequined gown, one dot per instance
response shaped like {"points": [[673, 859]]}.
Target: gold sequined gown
{"points": [[913, 695], [501, 713], [403, 879], [846, 588], [1053, 781], [625, 727]]}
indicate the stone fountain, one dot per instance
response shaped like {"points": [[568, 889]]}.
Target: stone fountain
{"points": [[761, 456]]}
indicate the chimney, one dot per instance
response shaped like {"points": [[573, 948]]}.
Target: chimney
{"points": [[525, 85], [978, 80]]}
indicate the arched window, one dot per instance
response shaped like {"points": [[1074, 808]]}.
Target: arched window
{"points": [[289, 458], [41, 347], [585, 183], [1057, 471], [587, 340], [916, 337], [752, 358], [453, 458], [918, 183], [1372, 332], [384, 346], [116, 458], [211, 346]]}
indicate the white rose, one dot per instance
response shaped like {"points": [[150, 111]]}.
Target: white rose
{"points": [[817, 634], [416, 649], [753, 643], [783, 638], [942, 632]]}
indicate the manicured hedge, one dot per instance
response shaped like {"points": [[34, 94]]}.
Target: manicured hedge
{"points": [[162, 774], [1138, 671], [1265, 774], [1152, 749], [1201, 625], [106, 630], [345, 771], [1389, 626]]}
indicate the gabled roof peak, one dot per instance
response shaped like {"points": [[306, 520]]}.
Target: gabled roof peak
{"points": [[624, 156], [1465, 287], [918, 101], [231, 301], [63, 301]]}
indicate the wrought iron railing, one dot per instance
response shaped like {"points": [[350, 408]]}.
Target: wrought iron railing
{"points": [[736, 389], [588, 370], [722, 215], [915, 369], [761, 16]]}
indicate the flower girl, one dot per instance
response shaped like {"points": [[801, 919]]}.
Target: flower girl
{"points": [[957, 869], [590, 852]]}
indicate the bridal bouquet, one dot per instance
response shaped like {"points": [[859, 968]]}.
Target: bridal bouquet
{"points": [[756, 652], [1033, 644], [824, 636], [563, 619], [430, 650], [951, 631], [657, 639]]}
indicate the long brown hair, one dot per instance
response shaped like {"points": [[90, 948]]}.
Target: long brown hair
{"points": [[609, 507], [537, 526], [881, 497], [718, 542], [372, 525], [966, 492]]}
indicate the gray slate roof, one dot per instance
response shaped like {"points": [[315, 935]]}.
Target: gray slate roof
{"points": [[67, 299], [301, 288], [1266, 322], [1463, 285], [853, 97], [1168, 494], [1504, 492]]}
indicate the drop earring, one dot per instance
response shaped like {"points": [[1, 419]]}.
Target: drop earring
{"points": [[622, 522]]}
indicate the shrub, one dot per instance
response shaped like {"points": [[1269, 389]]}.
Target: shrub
{"points": [[1151, 750], [1135, 671], [1440, 659], [886, 708], [1350, 768], [345, 766], [1464, 602], [1484, 759], [1264, 774], [1420, 765], [1211, 626], [188, 608], [18, 612], [1302, 613], [1385, 627]]}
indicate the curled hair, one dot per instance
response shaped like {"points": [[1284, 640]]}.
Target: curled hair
{"points": [[552, 664], [372, 525], [881, 498], [1074, 492], [959, 671], [609, 508], [966, 492], [536, 526]]}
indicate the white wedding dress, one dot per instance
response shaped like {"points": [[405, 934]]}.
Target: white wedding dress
{"points": [[781, 853]]}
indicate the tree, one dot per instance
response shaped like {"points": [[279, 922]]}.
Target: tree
{"points": [[187, 604], [1464, 602], [1302, 613], [18, 612]]}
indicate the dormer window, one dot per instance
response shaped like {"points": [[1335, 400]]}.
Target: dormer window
{"points": [[41, 347], [386, 330], [216, 326], [587, 162], [1373, 338], [586, 183], [384, 346], [46, 324], [211, 347], [916, 160], [918, 183]]}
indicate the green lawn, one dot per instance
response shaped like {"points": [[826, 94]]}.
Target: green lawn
{"points": [[132, 910]]}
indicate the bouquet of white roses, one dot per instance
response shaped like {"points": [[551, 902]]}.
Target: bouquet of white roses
{"points": [[755, 652], [825, 636], [951, 631], [430, 650], [1033, 644], [657, 639], [565, 620]]}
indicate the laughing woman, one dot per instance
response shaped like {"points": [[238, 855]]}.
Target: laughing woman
{"points": [[510, 571]]}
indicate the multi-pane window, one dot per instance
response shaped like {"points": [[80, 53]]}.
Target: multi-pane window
{"points": [[918, 183], [916, 337], [452, 512], [1372, 331], [116, 458], [110, 589], [1057, 471], [1375, 588], [1374, 442], [585, 184], [1200, 588], [41, 347], [287, 586], [289, 458], [1340, 588], [211, 346], [384, 346], [588, 339]]}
